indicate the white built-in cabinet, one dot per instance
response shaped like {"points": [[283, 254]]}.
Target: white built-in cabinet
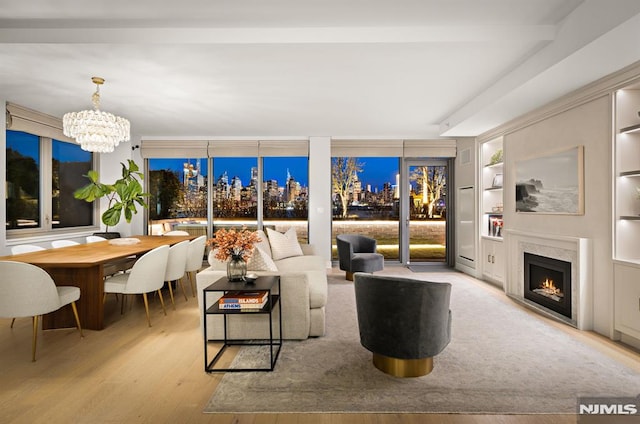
{"points": [[627, 211], [491, 207]]}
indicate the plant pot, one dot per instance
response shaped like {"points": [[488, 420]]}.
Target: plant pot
{"points": [[108, 235]]}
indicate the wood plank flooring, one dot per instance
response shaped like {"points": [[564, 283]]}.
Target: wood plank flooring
{"points": [[130, 373]]}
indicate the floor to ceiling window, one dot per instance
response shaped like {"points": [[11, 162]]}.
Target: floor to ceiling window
{"points": [[285, 196], [178, 195], [366, 200]]}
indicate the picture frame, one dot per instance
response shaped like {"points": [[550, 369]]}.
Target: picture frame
{"points": [[551, 184], [497, 181]]}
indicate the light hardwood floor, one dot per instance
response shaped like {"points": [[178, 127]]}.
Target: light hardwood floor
{"points": [[130, 373]]}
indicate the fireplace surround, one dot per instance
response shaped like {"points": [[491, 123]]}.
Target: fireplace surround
{"points": [[574, 250]]}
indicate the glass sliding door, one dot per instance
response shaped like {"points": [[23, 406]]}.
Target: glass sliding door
{"points": [[425, 211]]}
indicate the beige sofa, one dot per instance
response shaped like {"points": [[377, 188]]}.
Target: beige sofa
{"points": [[303, 285]]}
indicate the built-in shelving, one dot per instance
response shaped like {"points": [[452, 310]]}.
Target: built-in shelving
{"points": [[626, 237], [492, 198]]}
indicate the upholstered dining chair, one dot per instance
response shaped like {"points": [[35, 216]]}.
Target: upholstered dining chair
{"points": [[195, 256], [25, 248], [146, 276], [176, 233], [404, 322], [63, 243], [28, 291], [94, 239], [176, 266], [357, 253]]}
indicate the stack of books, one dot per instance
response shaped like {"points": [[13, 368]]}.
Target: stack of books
{"points": [[243, 300]]}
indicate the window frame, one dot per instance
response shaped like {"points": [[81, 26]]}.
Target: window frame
{"points": [[46, 201]]}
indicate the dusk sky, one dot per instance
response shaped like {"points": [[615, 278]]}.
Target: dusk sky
{"points": [[375, 170]]}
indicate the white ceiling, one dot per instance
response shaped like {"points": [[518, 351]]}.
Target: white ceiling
{"points": [[341, 68]]}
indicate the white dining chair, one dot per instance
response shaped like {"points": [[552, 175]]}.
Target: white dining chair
{"points": [[176, 233], [94, 239], [195, 256], [28, 291], [176, 265], [56, 244], [146, 276], [25, 248]]}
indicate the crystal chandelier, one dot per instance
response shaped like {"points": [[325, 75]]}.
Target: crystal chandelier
{"points": [[95, 130]]}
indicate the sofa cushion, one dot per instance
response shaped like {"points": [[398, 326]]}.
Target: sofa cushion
{"points": [[284, 245], [263, 243], [260, 261]]}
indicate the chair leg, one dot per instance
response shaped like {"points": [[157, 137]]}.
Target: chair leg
{"points": [[75, 314], [146, 307], [34, 340], [192, 283], [162, 302], [12, 321], [349, 276], [182, 288], [173, 303]]}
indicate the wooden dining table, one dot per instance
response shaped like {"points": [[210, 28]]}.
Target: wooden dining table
{"points": [[83, 266]]}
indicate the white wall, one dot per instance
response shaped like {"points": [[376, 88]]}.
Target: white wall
{"points": [[587, 125]]}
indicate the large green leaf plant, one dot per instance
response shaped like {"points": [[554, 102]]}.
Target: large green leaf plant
{"points": [[124, 195]]}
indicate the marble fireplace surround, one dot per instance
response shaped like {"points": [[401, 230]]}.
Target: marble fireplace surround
{"points": [[575, 250]]}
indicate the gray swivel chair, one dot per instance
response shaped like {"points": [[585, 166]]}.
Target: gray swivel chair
{"points": [[403, 322], [357, 253]]}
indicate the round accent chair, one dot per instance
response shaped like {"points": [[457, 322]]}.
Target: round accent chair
{"points": [[357, 253], [403, 322]]}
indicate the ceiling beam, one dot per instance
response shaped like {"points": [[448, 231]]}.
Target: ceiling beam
{"points": [[423, 34]]}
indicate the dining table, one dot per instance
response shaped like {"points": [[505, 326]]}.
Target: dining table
{"points": [[83, 266]]}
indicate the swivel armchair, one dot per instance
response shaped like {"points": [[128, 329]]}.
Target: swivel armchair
{"points": [[403, 322], [357, 253]]}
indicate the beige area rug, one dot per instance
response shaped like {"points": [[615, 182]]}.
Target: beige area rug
{"points": [[500, 360]]}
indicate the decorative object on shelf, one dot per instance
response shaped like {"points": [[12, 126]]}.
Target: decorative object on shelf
{"points": [[496, 158], [125, 194], [497, 181], [235, 247], [95, 130], [495, 225]]}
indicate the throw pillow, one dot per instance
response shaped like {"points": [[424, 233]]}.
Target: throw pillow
{"points": [[260, 261], [215, 263], [284, 245], [263, 243]]}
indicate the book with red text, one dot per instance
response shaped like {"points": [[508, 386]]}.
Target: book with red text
{"points": [[244, 297]]}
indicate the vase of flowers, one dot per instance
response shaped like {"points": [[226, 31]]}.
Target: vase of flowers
{"points": [[234, 247]]}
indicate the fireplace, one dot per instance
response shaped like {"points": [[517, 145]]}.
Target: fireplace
{"points": [[547, 282]]}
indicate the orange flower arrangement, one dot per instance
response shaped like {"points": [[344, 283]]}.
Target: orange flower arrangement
{"points": [[230, 243]]}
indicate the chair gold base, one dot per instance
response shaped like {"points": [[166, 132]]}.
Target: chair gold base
{"points": [[403, 367], [349, 276]]}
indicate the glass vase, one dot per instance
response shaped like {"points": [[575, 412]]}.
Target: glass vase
{"points": [[236, 268]]}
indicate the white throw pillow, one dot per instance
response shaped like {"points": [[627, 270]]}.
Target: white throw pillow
{"points": [[215, 263], [263, 243], [260, 261], [284, 245]]}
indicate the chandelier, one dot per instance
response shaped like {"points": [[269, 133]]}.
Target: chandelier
{"points": [[95, 130]]}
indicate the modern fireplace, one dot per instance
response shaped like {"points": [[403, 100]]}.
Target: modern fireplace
{"points": [[547, 282]]}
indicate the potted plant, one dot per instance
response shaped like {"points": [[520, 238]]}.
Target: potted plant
{"points": [[124, 195]]}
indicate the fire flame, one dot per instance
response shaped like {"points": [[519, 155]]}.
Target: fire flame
{"points": [[548, 286]]}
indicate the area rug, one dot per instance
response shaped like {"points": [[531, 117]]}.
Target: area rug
{"points": [[501, 360]]}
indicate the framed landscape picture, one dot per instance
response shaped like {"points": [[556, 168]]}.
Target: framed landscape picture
{"points": [[551, 184]]}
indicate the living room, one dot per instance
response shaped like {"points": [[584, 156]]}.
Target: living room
{"points": [[570, 102]]}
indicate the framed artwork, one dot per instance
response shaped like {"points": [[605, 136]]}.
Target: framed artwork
{"points": [[552, 184], [497, 181]]}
